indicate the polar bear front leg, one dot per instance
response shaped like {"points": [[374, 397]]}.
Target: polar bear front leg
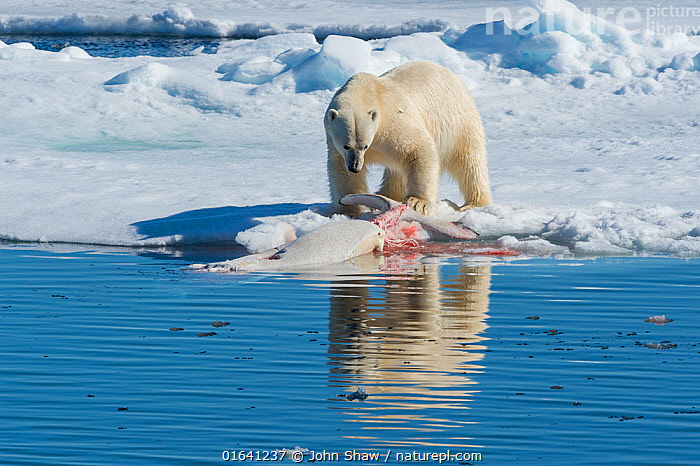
{"points": [[343, 182], [423, 177]]}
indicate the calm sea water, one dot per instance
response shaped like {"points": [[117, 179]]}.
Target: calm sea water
{"points": [[93, 372]]}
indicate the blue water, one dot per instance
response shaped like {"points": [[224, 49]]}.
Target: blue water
{"points": [[120, 46], [442, 347]]}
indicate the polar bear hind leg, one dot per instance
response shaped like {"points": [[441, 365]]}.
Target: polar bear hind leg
{"points": [[471, 173], [393, 185]]}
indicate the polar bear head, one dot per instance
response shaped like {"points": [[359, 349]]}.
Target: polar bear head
{"points": [[352, 129]]}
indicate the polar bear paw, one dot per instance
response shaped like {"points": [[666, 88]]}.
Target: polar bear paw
{"points": [[466, 207], [419, 205]]}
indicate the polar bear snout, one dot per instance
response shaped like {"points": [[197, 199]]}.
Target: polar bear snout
{"points": [[354, 160]]}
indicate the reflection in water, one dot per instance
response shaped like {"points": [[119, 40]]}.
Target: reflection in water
{"points": [[411, 338]]}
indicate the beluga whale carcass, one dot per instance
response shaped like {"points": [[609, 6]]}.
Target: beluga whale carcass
{"points": [[340, 241]]}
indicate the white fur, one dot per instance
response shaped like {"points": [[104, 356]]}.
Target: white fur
{"points": [[417, 120]]}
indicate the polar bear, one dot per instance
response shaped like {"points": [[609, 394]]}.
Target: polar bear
{"points": [[417, 120]]}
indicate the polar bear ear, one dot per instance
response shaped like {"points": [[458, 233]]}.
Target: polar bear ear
{"points": [[332, 113], [373, 113]]}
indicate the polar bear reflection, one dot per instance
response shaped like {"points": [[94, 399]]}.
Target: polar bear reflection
{"points": [[412, 342]]}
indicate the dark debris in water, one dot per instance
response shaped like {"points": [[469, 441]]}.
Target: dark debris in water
{"points": [[219, 324], [625, 418], [557, 387], [123, 408], [359, 394], [658, 320], [662, 345], [533, 317], [176, 329], [206, 334]]}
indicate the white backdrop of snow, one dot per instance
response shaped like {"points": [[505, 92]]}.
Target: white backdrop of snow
{"points": [[178, 19], [593, 136], [255, 18]]}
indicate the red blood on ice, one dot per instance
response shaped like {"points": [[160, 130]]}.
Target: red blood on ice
{"points": [[402, 236]]}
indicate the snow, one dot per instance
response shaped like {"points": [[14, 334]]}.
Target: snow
{"points": [[179, 19], [531, 245], [592, 128], [150, 74], [339, 58], [565, 39], [686, 61], [278, 230], [604, 229]]}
